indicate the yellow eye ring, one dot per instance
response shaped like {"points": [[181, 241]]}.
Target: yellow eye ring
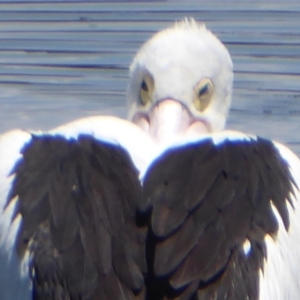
{"points": [[146, 89], [203, 92]]}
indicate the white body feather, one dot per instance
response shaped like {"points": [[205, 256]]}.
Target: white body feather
{"points": [[14, 276], [280, 278]]}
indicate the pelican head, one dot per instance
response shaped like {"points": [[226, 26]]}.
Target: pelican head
{"points": [[180, 83]]}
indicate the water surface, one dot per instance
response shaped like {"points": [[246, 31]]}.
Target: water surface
{"points": [[60, 61]]}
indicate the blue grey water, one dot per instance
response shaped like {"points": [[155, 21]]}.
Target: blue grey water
{"points": [[62, 60]]}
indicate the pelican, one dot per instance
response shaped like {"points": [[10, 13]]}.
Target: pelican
{"points": [[165, 205]]}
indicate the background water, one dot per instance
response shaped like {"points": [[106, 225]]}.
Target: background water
{"points": [[62, 60]]}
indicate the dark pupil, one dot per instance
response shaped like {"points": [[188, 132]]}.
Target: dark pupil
{"points": [[144, 86], [204, 90]]}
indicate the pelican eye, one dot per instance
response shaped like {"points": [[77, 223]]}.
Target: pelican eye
{"points": [[204, 90], [203, 93], [144, 86], [146, 89]]}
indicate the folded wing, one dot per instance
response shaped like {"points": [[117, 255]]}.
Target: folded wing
{"points": [[211, 206], [77, 201]]}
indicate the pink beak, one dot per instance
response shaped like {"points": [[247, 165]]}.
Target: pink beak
{"points": [[169, 121]]}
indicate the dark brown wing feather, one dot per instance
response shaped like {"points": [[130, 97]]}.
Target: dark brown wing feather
{"points": [[204, 201], [78, 201]]}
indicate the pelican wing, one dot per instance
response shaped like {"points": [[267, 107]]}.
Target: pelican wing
{"points": [[70, 213], [212, 205]]}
